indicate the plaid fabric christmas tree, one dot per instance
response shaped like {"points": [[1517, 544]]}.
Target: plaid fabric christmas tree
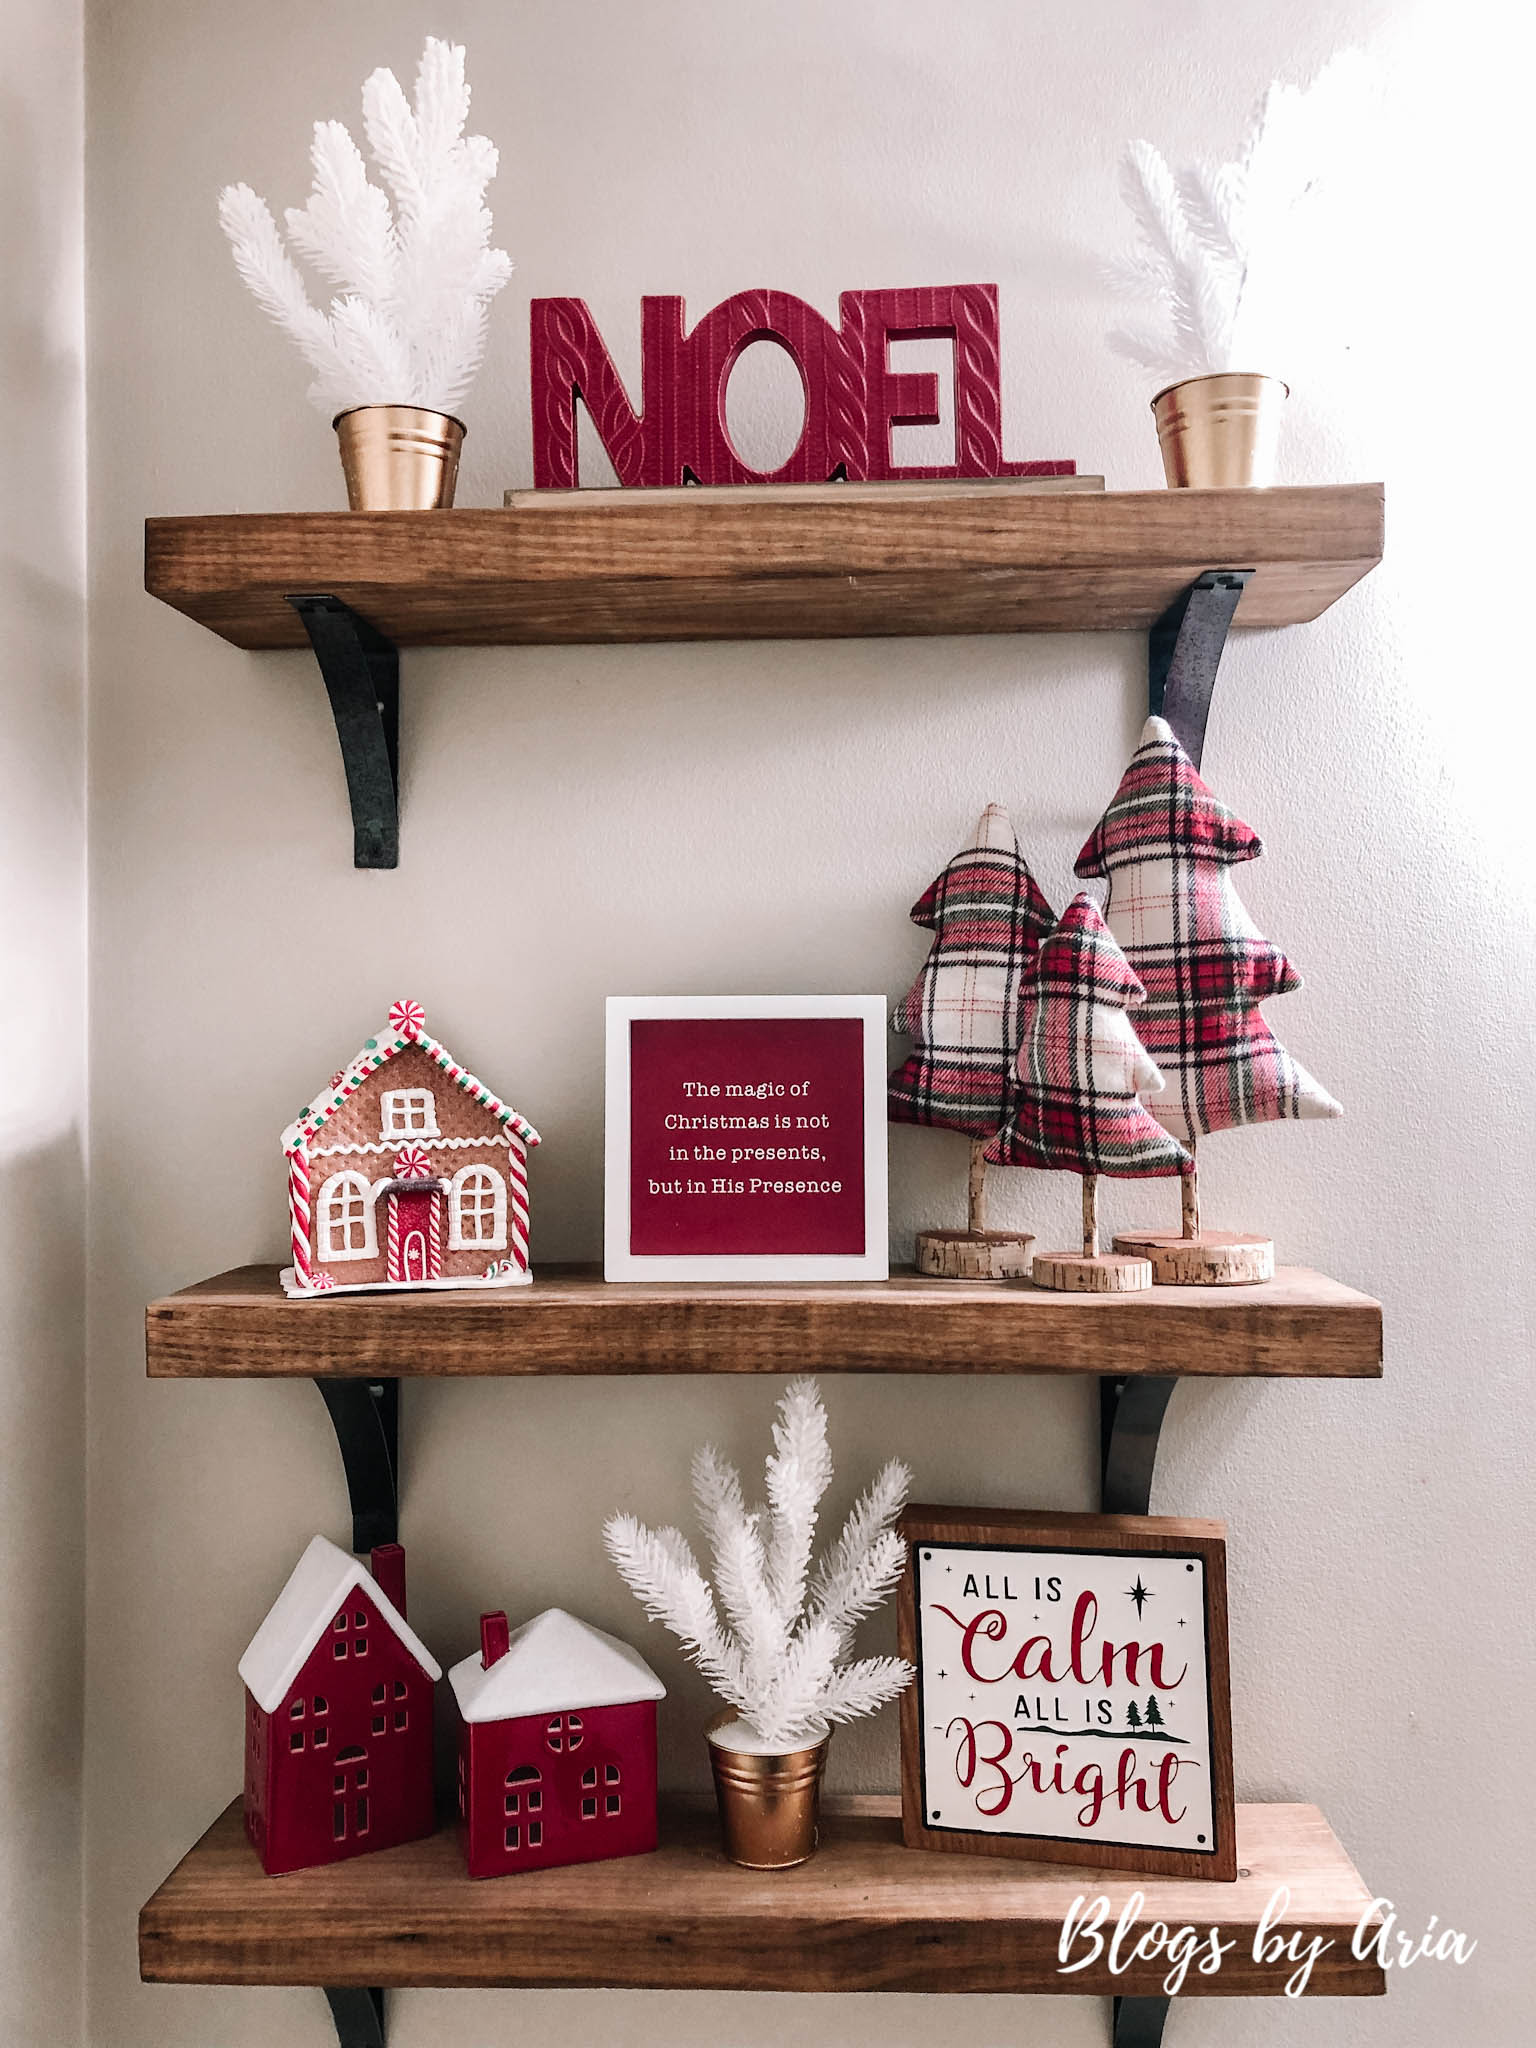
{"points": [[988, 918], [1082, 1069], [1166, 846]]}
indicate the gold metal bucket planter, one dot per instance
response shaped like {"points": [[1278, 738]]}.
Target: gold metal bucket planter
{"points": [[770, 1805], [1220, 430], [399, 458]]}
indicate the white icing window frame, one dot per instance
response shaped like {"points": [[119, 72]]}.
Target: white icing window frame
{"points": [[326, 1224], [497, 1241], [395, 1106]]}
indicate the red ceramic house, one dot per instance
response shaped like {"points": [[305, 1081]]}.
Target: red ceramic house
{"points": [[557, 1747], [338, 1714]]}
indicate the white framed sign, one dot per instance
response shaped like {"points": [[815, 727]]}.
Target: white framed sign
{"points": [[745, 1138], [1071, 1701]]}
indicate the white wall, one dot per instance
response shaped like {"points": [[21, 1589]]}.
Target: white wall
{"points": [[42, 986], [583, 821]]}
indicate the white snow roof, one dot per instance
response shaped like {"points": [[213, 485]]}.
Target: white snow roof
{"points": [[554, 1663], [317, 1586]]}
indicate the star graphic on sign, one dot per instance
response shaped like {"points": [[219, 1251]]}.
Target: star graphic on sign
{"points": [[1138, 1593]]}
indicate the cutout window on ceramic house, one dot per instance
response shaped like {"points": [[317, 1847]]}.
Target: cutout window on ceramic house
{"points": [[477, 1210], [564, 1732], [524, 1790], [408, 1113], [346, 1228]]}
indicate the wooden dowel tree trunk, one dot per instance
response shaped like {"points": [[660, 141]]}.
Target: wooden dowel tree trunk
{"points": [[977, 1187], [1090, 1215], [1189, 1194]]}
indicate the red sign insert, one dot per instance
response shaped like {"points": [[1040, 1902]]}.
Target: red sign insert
{"points": [[746, 1136]]}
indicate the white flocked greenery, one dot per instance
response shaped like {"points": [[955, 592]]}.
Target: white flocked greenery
{"points": [[416, 278], [1223, 263], [780, 1654]]}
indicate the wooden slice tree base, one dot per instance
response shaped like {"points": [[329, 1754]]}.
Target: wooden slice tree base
{"points": [[1076, 1273], [1213, 1258], [974, 1254]]}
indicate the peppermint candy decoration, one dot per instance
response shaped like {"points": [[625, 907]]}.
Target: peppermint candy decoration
{"points": [[322, 1281], [407, 1017], [411, 1163]]}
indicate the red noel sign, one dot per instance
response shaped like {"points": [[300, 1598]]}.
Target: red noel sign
{"points": [[852, 396]]}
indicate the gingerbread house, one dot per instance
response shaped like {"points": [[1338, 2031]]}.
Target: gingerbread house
{"points": [[407, 1172]]}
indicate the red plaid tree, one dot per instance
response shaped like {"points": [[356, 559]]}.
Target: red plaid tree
{"points": [[1082, 1069], [988, 917], [1167, 846], [1082, 1074]]}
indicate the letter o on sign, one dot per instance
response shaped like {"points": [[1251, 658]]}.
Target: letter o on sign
{"points": [[828, 376]]}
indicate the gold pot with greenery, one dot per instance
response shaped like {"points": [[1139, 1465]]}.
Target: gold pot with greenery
{"points": [[773, 1633], [404, 335], [1224, 269]]}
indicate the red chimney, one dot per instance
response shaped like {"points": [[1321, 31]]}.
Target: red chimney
{"points": [[387, 1563], [493, 1639]]}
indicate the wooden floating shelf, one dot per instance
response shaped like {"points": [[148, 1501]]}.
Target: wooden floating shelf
{"points": [[238, 1325], [865, 1914], [949, 562]]}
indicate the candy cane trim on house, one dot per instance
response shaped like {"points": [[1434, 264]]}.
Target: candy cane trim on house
{"points": [[406, 1026], [517, 1205]]}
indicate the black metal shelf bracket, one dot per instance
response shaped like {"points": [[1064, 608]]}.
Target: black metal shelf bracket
{"points": [[1138, 2022], [361, 672], [1184, 652], [359, 2015], [366, 1417], [1131, 1412]]}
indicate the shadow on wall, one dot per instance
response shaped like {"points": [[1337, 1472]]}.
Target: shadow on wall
{"points": [[42, 1191], [42, 1566]]}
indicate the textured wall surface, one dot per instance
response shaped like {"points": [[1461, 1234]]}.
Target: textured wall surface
{"points": [[583, 821]]}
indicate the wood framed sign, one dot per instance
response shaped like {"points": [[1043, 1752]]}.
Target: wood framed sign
{"points": [[1072, 1702], [746, 1138]]}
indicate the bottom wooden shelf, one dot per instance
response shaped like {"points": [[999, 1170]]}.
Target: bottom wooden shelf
{"points": [[865, 1914]]}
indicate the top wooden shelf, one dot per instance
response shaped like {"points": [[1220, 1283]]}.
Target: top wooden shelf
{"points": [[240, 1325], [949, 562]]}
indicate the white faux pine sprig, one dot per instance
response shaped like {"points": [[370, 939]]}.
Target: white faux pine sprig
{"points": [[778, 1657], [408, 325], [1223, 262]]}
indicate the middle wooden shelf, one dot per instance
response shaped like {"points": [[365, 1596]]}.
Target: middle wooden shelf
{"points": [[1300, 1325]]}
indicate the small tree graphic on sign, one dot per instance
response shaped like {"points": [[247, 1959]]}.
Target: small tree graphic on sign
{"points": [[1132, 1718], [1154, 1718]]}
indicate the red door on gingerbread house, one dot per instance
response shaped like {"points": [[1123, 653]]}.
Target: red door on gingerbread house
{"points": [[557, 1748], [338, 1714], [413, 1219]]}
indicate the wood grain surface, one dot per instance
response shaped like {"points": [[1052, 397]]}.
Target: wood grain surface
{"points": [[865, 1914], [241, 1325], [1076, 562]]}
